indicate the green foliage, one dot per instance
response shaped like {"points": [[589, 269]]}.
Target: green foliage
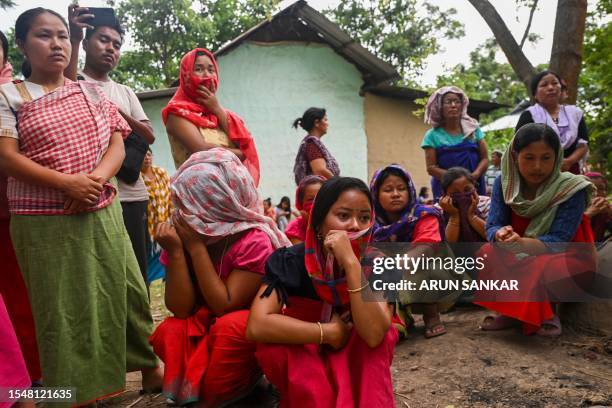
{"points": [[595, 84], [401, 32], [162, 31], [7, 4], [15, 56]]}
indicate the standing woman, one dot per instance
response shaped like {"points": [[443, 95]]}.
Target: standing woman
{"points": [[454, 140], [566, 120], [321, 343], [313, 157], [534, 207], [66, 224], [216, 251], [159, 209], [196, 121]]}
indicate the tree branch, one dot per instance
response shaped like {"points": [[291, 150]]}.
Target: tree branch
{"points": [[531, 13], [517, 59]]}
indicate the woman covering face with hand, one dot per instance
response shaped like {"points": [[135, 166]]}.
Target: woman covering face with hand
{"points": [[196, 121], [321, 343]]}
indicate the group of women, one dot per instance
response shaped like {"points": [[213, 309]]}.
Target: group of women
{"points": [[246, 298]]}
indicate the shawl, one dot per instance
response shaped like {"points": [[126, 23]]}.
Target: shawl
{"points": [[433, 110], [302, 169], [566, 129]]}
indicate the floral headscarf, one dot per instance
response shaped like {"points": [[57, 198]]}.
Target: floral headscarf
{"points": [[215, 194], [433, 110]]}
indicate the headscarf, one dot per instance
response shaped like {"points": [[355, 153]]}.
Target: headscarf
{"points": [[557, 189], [297, 228], [6, 73], [402, 229], [299, 192], [330, 288], [215, 194], [433, 110], [184, 104]]}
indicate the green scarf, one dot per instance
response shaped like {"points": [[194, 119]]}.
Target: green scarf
{"points": [[557, 189]]}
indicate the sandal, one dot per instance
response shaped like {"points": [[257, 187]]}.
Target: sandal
{"points": [[550, 328], [435, 330], [497, 322]]}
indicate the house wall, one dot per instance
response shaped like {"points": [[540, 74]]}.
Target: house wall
{"points": [[394, 136], [269, 85]]}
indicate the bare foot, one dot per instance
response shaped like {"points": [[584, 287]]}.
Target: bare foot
{"points": [[152, 379]]}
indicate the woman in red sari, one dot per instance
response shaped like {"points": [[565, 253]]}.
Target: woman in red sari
{"points": [[215, 257], [534, 207], [196, 121], [322, 343]]}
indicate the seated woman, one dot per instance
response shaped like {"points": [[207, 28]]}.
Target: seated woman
{"points": [[283, 213], [454, 140], [304, 197], [399, 218], [533, 207], [465, 211], [215, 256], [312, 156], [322, 345], [600, 210], [196, 121]]}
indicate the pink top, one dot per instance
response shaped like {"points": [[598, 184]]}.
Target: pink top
{"points": [[296, 229], [249, 253], [13, 372]]}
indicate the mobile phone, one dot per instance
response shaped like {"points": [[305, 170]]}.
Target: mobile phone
{"points": [[102, 16]]}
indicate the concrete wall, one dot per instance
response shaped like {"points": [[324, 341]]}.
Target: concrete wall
{"points": [[394, 136], [269, 85]]}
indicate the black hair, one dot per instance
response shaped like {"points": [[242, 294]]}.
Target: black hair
{"points": [[535, 132], [535, 81], [307, 121], [268, 200], [23, 25], [497, 153], [329, 193], [423, 191], [453, 174], [390, 171], [114, 24], [4, 47], [282, 200]]}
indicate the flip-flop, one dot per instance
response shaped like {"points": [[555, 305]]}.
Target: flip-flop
{"points": [[499, 322], [553, 330], [435, 330]]}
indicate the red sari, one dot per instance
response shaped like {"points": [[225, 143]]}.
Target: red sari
{"points": [[533, 314], [308, 376], [208, 359]]}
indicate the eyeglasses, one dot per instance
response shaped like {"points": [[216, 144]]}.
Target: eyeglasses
{"points": [[450, 102]]}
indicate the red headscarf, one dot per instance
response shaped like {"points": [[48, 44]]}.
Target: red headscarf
{"points": [[184, 104]]}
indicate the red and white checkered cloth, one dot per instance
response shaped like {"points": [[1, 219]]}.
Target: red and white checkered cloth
{"points": [[67, 130]]}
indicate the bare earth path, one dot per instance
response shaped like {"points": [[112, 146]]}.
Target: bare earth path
{"points": [[467, 368]]}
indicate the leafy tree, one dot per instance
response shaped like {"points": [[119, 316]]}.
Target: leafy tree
{"points": [[162, 31], [401, 32], [14, 55], [595, 84], [6, 4]]}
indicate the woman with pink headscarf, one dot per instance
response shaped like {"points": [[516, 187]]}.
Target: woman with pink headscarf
{"points": [[215, 251], [455, 139]]}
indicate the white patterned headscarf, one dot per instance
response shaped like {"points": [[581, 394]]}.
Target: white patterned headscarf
{"points": [[433, 110], [215, 194]]}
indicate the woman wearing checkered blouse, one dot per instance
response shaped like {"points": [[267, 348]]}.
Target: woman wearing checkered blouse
{"points": [[61, 145]]}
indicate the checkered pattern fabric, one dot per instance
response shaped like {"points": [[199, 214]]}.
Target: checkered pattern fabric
{"points": [[67, 130]]}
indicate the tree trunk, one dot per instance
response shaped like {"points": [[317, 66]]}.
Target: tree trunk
{"points": [[517, 59], [566, 56]]}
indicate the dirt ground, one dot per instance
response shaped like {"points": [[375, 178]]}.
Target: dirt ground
{"points": [[466, 368]]}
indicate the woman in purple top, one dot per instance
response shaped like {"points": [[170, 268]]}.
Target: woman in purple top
{"points": [[566, 120], [313, 157]]}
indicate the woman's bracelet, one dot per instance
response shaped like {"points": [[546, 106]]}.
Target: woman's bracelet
{"points": [[358, 289], [321, 330]]}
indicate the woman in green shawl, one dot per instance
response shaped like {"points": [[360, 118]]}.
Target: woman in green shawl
{"points": [[534, 207]]}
